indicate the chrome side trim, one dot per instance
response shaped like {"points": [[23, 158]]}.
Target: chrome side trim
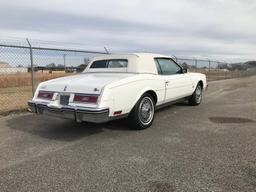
{"points": [[170, 103]]}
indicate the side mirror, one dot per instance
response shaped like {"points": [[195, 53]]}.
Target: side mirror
{"points": [[184, 70]]}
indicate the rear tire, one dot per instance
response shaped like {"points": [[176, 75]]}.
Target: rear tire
{"points": [[142, 115], [197, 96]]}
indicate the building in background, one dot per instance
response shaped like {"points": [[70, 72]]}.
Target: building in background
{"points": [[6, 68]]}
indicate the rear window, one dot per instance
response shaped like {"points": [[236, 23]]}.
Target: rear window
{"points": [[111, 63]]}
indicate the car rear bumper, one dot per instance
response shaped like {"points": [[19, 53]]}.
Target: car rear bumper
{"points": [[95, 115]]}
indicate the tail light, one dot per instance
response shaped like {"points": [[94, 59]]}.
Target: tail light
{"points": [[85, 98], [45, 95]]}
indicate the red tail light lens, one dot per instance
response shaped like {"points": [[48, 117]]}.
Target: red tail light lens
{"points": [[85, 98], [45, 95]]}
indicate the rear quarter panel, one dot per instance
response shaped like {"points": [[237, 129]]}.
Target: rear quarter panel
{"points": [[123, 95]]}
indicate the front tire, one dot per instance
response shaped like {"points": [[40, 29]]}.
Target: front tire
{"points": [[143, 113], [197, 96]]}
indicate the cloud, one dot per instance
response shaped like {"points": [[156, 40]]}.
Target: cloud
{"points": [[214, 28]]}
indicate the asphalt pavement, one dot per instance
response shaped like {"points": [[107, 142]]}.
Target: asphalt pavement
{"points": [[211, 147]]}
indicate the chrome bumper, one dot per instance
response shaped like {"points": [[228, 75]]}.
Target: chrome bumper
{"points": [[95, 115]]}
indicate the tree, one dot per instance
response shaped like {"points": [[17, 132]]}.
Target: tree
{"points": [[250, 64], [222, 66], [60, 66], [81, 68], [51, 65], [184, 65]]}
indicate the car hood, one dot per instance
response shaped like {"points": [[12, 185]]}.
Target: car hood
{"points": [[89, 83]]}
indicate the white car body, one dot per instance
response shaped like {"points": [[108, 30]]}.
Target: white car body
{"points": [[117, 89]]}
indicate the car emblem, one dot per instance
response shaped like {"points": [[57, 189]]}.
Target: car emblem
{"points": [[95, 89], [65, 88]]}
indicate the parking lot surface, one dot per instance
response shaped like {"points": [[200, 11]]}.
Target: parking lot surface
{"points": [[211, 147]]}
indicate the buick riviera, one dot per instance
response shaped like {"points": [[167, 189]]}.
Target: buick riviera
{"points": [[117, 86]]}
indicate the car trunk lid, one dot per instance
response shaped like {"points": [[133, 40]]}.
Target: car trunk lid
{"points": [[89, 83]]}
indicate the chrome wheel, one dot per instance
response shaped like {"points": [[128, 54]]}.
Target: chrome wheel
{"points": [[198, 94], [146, 110]]}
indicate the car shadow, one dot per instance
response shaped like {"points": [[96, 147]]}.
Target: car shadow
{"points": [[183, 103], [68, 130], [61, 129]]}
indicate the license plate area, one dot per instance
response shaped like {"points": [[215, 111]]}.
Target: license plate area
{"points": [[64, 99]]}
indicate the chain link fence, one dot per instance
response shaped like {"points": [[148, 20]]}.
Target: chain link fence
{"points": [[218, 70], [24, 65]]}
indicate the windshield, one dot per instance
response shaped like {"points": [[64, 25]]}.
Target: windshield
{"points": [[111, 63]]}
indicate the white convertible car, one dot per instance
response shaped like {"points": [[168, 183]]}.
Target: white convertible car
{"points": [[118, 86]]}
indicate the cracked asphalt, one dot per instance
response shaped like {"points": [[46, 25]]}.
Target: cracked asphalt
{"points": [[211, 147]]}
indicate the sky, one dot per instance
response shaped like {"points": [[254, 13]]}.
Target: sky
{"points": [[212, 29]]}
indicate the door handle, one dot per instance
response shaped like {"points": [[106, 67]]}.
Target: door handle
{"points": [[167, 82]]}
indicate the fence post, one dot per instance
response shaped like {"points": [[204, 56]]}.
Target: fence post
{"points": [[209, 68], [64, 61], [196, 64], [32, 67], [106, 50], [217, 71], [175, 58]]}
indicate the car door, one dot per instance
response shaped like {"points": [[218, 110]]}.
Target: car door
{"points": [[177, 83]]}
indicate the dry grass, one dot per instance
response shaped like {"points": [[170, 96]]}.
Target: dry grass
{"points": [[14, 98], [24, 79], [16, 90], [216, 74]]}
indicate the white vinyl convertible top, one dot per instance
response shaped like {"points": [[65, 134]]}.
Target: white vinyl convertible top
{"points": [[137, 63]]}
